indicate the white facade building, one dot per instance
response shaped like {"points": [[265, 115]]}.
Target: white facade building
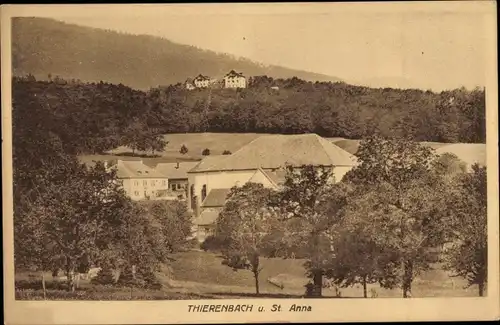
{"points": [[261, 161], [235, 80]]}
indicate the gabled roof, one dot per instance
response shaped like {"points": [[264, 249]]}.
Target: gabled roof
{"points": [[470, 153], [202, 77], [207, 218], [207, 163], [275, 151], [233, 73], [174, 170], [135, 169], [277, 176], [216, 198]]}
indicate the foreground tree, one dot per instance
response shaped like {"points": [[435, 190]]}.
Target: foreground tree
{"points": [[73, 226], [244, 226], [396, 198], [356, 258], [468, 255], [310, 206]]}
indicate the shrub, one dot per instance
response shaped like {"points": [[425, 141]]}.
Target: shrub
{"points": [[144, 278], [226, 152], [118, 294], [105, 276], [212, 243], [36, 284], [184, 150], [206, 152]]}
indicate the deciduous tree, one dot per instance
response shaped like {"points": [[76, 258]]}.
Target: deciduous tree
{"points": [[243, 227], [467, 255]]}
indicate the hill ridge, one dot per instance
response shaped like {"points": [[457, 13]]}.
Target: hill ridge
{"points": [[42, 46]]}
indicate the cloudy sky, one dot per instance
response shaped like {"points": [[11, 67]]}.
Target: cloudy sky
{"points": [[429, 47]]}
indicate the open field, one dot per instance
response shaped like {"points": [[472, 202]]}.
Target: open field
{"points": [[200, 275], [219, 142]]}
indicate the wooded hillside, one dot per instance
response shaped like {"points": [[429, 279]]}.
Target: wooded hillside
{"points": [[42, 46], [95, 117]]}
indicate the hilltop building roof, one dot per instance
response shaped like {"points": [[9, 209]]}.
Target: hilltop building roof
{"points": [[233, 73], [201, 77]]}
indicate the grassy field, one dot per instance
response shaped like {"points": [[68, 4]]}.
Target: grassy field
{"points": [[203, 273], [200, 275], [216, 142]]}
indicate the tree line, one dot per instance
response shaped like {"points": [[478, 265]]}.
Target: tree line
{"points": [[96, 117], [383, 223], [69, 216]]}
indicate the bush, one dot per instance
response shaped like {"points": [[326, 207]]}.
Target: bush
{"points": [[206, 152], [184, 150], [144, 278], [212, 243], [105, 276], [37, 285], [226, 152], [117, 294]]}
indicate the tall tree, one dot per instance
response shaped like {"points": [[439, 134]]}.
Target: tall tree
{"points": [[467, 255], [244, 225], [397, 186], [310, 205]]}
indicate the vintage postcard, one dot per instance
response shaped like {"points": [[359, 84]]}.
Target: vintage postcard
{"points": [[241, 163]]}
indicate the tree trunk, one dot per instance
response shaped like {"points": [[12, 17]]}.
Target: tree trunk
{"points": [[365, 294], [43, 287], [407, 278], [256, 276], [481, 289], [318, 282]]}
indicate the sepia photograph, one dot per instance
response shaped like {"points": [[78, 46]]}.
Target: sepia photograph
{"points": [[208, 158]]}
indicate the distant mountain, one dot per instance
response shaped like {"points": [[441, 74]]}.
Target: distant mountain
{"points": [[43, 46]]}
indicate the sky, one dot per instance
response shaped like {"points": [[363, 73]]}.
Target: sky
{"points": [[405, 46]]}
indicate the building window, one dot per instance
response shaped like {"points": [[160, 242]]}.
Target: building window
{"points": [[173, 187], [164, 182], [193, 198], [136, 193], [152, 183], [145, 183], [136, 183], [203, 193]]}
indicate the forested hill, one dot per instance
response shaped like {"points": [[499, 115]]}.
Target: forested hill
{"points": [[44, 46], [94, 117]]}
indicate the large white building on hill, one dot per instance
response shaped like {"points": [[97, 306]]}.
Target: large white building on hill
{"points": [[235, 80], [261, 161]]}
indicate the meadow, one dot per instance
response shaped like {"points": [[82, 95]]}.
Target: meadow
{"points": [[197, 274], [217, 143]]}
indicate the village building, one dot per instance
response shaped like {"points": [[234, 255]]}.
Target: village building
{"points": [[177, 176], [140, 181], [261, 161], [189, 84], [235, 80], [201, 81], [209, 212]]}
